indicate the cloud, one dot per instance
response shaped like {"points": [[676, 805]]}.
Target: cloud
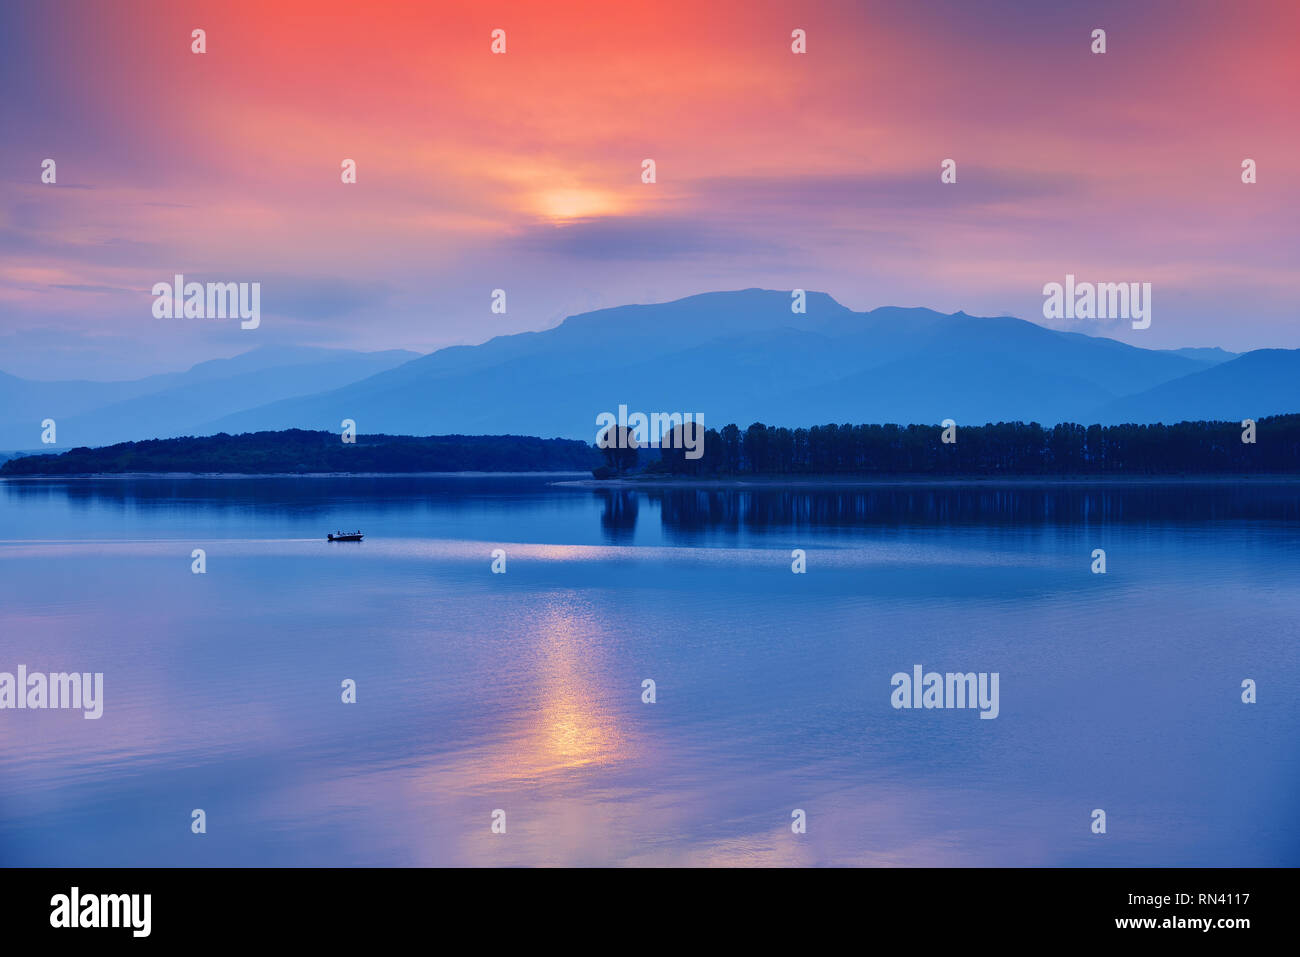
{"points": [[313, 297], [639, 238], [85, 287], [893, 191]]}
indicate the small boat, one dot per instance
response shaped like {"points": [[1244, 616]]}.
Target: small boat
{"points": [[345, 537]]}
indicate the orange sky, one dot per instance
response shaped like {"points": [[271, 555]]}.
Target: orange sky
{"points": [[522, 171]]}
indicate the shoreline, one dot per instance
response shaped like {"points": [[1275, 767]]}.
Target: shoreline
{"points": [[759, 482], [277, 475]]}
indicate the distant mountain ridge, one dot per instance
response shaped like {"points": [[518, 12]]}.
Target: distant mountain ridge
{"points": [[1265, 379], [100, 413], [737, 356], [744, 357]]}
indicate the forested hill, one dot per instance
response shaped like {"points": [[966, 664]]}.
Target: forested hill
{"points": [[297, 450]]}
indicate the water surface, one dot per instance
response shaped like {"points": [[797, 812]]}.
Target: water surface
{"points": [[523, 691]]}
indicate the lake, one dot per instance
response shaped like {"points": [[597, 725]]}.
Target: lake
{"points": [[522, 692]]}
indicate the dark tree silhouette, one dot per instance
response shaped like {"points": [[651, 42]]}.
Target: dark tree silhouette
{"points": [[298, 450], [618, 445], [682, 450], [1002, 448]]}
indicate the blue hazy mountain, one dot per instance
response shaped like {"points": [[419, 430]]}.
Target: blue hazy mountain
{"points": [[25, 400], [100, 413], [1253, 385], [731, 356], [1212, 354], [744, 357]]}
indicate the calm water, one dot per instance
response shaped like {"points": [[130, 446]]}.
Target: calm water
{"points": [[522, 691]]}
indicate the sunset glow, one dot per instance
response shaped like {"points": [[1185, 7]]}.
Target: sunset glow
{"points": [[774, 170]]}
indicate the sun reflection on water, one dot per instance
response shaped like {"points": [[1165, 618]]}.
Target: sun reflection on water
{"points": [[572, 725]]}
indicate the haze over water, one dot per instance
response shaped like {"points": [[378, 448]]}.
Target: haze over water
{"points": [[523, 691]]}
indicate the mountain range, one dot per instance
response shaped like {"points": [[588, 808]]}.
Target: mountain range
{"points": [[162, 406], [738, 357]]}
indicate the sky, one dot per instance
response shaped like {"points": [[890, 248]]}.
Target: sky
{"points": [[522, 171]]}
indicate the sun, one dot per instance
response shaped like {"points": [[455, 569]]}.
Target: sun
{"points": [[576, 203]]}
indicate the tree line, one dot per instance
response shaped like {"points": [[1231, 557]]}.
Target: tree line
{"points": [[299, 451], [1004, 448]]}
